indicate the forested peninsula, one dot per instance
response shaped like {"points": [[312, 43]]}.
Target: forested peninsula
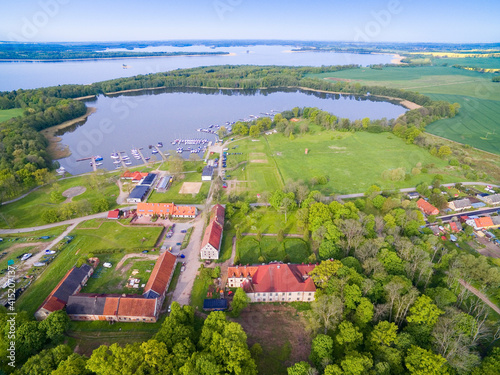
{"points": [[24, 162]]}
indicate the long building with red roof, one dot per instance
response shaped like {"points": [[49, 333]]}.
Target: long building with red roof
{"points": [[212, 239], [275, 282], [161, 276], [166, 209]]}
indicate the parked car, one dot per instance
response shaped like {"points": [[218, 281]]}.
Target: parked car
{"points": [[169, 308], [178, 244], [183, 268], [145, 252], [183, 231]]}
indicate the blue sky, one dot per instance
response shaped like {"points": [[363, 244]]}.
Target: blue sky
{"points": [[374, 21]]}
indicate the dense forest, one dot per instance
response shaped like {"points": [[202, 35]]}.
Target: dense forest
{"points": [[24, 162]]}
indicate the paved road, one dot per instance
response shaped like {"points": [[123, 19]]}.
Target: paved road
{"points": [[488, 210], [77, 220]]}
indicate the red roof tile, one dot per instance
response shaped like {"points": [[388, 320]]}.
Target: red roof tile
{"points": [[114, 214], [139, 307], [213, 235], [52, 303], [166, 209], [217, 214], [426, 207], [484, 222], [162, 272], [276, 277]]}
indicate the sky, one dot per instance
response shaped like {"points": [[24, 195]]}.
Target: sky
{"points": [[446, 21]]}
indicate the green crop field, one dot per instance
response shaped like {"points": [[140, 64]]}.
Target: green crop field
{"points": [[477, 123], [352, 161], [6, 114], [27, 211]]}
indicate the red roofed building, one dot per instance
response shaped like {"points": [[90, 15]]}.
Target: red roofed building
{"points": [[166, 209], [114, 214], [70, 284], [426, 207], [217, 214], [160, 277], [210, 245], [134, 176], [483, 223], [275, 282]]}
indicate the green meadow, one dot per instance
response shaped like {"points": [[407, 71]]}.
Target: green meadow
{"points": [[6, 114], [351, 161], [477, 123]]}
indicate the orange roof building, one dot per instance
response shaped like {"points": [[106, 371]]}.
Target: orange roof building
{"points": [[134, 176], [161, 276], [276, 282], [212, 239], [426, 207], [483, 223], [166, 209]]}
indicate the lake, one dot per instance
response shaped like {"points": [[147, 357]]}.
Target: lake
{"points": [[27, 75], [136, 120]]}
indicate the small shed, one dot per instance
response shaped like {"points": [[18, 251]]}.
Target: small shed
{"points": [[114, 214], [215, 304]]}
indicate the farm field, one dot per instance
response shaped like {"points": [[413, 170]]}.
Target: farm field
{"points": [[352, 161], [474, 91], [27, 211], [6, 114]]}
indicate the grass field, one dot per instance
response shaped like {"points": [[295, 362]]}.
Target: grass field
{"points": [[27, 211], [113, 236], [110, 237], [6, 114], [111, 280], [352, 161], [476, 123], [249, 249], [173, 195]]}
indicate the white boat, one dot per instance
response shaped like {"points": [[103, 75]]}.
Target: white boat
{"points": [[117, 162], [26, 256], [125, 157], [39, 264], [115, 155], [128, 163]]}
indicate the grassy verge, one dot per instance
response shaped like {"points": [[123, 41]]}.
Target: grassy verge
{"points": [[35, 235], [251, 251], [6, 114], [187, 238]]}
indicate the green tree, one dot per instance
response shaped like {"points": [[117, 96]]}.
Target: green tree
{"points": [[299, 368], [444, 151], [424, 311], [355, 363], [254, 131], [419, 361], [157, 359], [321, 351], [75, 364], [240, 301], [46, 361], [348, 336], [384, 333], [490, 364], [116, 360], [55, 325]]}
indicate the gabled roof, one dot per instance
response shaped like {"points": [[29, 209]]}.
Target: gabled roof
{"points": [[166, 209], [462, 203], [213, 235], [114, 214], [184, 210], [208, 171], [130, 306], [68, 285], [242, 271], [160, 277], [277, 277], [139, 192], [85, 304], [149, 179], [95, 304], [495, 220], [484, 222], [217, 214], [426, 207]]}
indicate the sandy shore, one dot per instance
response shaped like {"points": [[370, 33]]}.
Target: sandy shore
{"points": [[55, 149], [396, 59]]}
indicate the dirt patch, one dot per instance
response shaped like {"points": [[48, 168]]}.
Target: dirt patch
{"points": [[287, 329], [19, 245], [258, 161], [190, 188], [337, 148], [73, 192]]}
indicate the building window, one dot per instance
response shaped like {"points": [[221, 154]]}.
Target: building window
{"points": [[289, 299], [298, 298], [308, 299], [310, 294], [263, 299], [289, 294], [258, 294]]}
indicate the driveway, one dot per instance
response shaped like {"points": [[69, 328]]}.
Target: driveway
{"points": [[182, 292]]}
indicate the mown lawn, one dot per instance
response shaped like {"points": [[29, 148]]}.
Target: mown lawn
{"points": [[292, 250], [351, 161], [173, 195], [27, 211]]}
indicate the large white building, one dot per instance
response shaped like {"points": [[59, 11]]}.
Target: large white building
{"points": [[276, 282], [212, 240]]}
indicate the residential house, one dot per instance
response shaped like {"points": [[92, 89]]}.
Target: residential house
{"points": [[136, 176], [481, 223], [70, 284], [413, 195], [493, 199], [166, 209], [212, 239], [426, 207], [460, 205], [276, 282]]}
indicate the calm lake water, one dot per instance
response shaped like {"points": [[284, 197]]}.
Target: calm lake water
{"points": [[127, 121], [26, 75]]}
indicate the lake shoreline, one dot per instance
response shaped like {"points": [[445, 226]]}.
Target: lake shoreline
{"points": [[55, 149]]}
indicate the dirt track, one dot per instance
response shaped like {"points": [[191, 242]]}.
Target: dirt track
{"points": [[136, 255]]}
